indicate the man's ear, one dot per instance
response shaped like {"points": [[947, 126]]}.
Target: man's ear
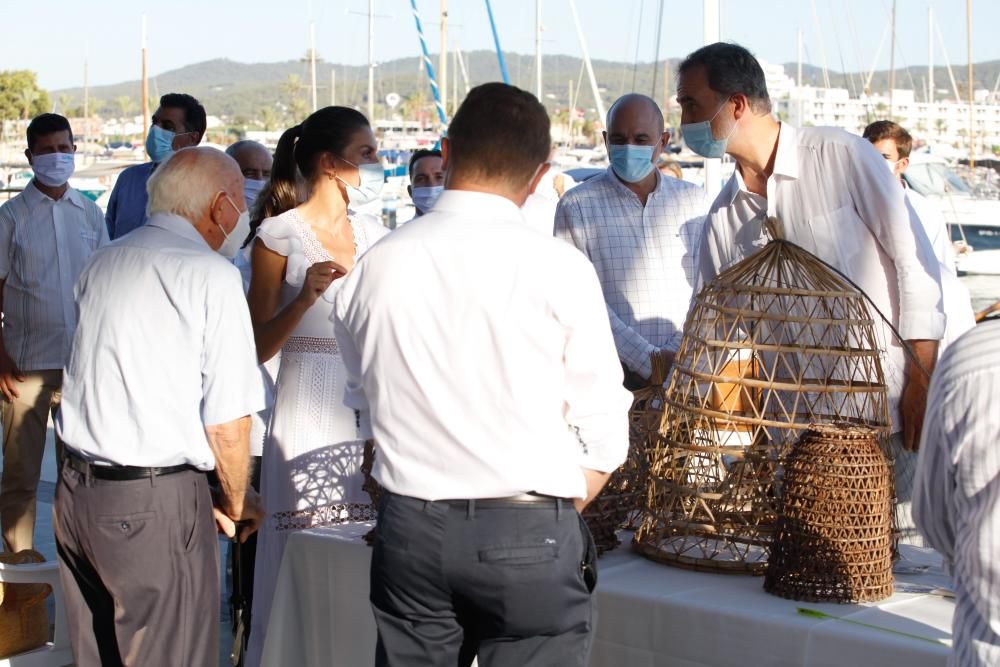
{"points": [[445, 150], [409, 190], [741, 104], [27, 154], [538, 177], [902, 165]]}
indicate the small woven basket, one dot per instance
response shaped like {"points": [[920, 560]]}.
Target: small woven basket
{"points": [[24, 625], [833, 541], [617, 505]]}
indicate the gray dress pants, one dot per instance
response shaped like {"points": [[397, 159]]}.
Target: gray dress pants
{"points": [[455, 579], [139, 563]]}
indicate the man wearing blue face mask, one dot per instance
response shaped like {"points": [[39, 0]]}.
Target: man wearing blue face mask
{"points": [[426, 179], [835, 198], [178, 123], [640, 229], [47, 234]]}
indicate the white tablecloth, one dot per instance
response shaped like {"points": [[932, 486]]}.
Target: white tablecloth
{"points": [[649, 615]]}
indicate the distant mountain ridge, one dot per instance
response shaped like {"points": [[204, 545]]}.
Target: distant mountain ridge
{"points": [[249, 91]]}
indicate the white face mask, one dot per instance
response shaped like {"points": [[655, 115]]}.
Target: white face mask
{"points": [[368, 190], [53, 169], [234, 239], [892, 165]]}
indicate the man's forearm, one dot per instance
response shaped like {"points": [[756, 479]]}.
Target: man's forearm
{"points": [[230, 443], [921, 368]]}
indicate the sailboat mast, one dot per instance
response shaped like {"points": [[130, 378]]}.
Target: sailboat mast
{"points": [[371, 61], [590, 68], [930, 55], [538, 50], [892, 58], [656, 56], [312, 63], [968, 46], [712, 13], [86, 99], [443, 56], [145, 83]]}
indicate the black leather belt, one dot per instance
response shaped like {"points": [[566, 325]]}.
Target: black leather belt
{"points": [[535, 499], [115, 473]]}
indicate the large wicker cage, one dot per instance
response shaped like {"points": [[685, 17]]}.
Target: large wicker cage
{"points": [[772, 345]]}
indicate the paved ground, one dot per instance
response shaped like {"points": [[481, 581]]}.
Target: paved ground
{"points": [[46, 545]]}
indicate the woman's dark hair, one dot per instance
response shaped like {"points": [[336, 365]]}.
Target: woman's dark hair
{"points": [[328, 130]]}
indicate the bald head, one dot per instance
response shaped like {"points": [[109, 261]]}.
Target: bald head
{"points": [[635, 109], [253, 158]]}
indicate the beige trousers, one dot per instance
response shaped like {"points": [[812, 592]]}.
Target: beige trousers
{"points": [[25, 422]]}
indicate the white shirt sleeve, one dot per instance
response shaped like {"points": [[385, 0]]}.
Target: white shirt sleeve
{"points": [[232, 386], [596, 403], [880, 203], [6, 240]]}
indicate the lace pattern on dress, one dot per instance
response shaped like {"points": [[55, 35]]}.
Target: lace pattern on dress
{"points": [[328, 515], [310, 345]]}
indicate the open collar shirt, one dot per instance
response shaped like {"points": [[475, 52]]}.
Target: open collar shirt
{"points": [[163, 348], [645, 257], [836, 199], [44, 244], [481, 353]]}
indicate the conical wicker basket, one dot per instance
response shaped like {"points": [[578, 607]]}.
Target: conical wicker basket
{"points": [[617, 505], [773, 345], [834, 534]]}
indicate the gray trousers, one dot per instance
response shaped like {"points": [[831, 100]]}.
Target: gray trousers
{"points": [[139, 562], [451, 580]]}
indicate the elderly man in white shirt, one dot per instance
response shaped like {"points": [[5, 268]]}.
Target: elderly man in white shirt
{"points": [[836, 199], [47, 233], [894, 143], [640, 229], [956, 495], [479, 351], [158, 391]]}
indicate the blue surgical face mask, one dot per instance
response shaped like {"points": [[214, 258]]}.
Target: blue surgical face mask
{"points": [[159, 143], [425, 197], [699, 138], [630, 162], [252, 188]]}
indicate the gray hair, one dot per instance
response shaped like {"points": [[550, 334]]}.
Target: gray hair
{"points": [[186, 182]]}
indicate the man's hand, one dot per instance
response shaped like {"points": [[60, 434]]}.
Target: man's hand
{"points": [[250, 513], [10, 375], [913, 402]]}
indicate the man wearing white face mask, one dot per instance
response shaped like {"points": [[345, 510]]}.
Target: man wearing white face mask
{"points": [[159, 389], [179, 122], [895, 143], [47, 233], [836, 199], [640, 229]]}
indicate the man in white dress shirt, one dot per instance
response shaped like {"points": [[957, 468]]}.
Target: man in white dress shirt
{"points": [[478, 352], [159, 389], [640, 229], [836, 199], [47, 233], [894, 143], [956, 495]]}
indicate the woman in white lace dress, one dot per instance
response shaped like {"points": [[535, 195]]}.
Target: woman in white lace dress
{"points": [[311, 472]]}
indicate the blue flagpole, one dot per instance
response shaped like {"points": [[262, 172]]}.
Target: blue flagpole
{"points": [[427, 66], [496, 40]]}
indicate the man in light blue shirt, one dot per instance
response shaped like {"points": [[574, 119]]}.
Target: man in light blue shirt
{"points": [[179, 122]]}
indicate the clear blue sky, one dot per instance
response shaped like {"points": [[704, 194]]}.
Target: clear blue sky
{"points": [[53, 38]]}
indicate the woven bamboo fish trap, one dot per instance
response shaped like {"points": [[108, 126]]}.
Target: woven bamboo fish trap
{"points": [[773, 345], [834, 534], [617, 505]]}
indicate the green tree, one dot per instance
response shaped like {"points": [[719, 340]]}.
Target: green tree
{"points": [[124, 105], [267, 118], [20, 96]]}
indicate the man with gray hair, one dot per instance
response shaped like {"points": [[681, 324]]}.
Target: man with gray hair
{"points": [[158, 390], [255, 163]]}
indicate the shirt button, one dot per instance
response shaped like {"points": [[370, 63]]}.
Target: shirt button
{"points": [[125, 526]]}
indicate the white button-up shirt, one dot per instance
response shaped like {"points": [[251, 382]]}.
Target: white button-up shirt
{"points": [[44, 244], [164, 347], [956, 490], [645, 257], [836, 199], [483, 351]]}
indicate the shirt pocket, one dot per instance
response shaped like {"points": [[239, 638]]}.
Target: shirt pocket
{"points": [[90, 238]]}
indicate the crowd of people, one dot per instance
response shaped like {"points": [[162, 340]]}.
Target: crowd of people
{"points": [[220, 350]]}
